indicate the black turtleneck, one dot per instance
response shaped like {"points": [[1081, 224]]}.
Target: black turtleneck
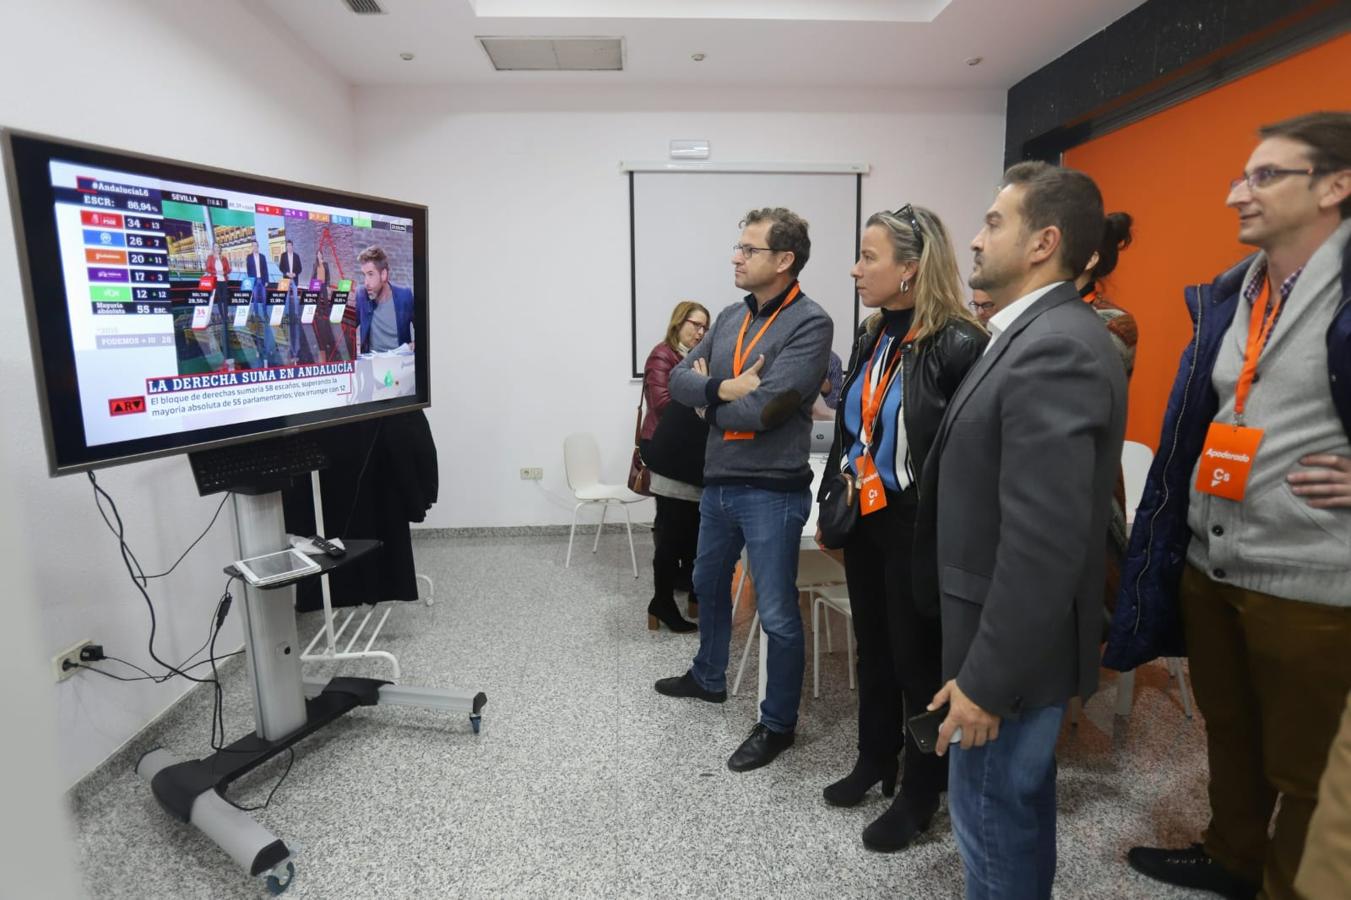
{"points": [[773, 304], [897, 321]]}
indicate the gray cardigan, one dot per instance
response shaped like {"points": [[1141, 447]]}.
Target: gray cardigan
{"points": [[796, 349], [1274, 542]]}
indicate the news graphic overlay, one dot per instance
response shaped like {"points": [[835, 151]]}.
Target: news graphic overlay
{"points": [[199, 309]]}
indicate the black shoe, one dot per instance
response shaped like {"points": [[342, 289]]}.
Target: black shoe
{"points": [[665, 612], [1191, 867], [759, 749], [903, 821], [851, 789], [686, 686]]}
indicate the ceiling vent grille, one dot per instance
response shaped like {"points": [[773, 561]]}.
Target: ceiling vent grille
{"points": [[555, 54], [364, 7]]}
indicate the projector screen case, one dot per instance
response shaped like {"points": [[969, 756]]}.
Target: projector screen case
{"points": [[45, 260]]}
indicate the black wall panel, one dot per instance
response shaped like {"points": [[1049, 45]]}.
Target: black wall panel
{"points": [[1159, 53]]}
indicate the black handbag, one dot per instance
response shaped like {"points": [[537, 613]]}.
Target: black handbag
{"points": [[839, 511]]}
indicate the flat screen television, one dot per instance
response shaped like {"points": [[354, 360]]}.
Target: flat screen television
{"points": [[175, 307]]}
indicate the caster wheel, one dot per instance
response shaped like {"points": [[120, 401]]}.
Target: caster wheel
{"points": [[275, 886], [476, 722]]}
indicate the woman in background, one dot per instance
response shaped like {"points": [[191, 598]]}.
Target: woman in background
{"points": [[1116, 237], [908, 359], [1121, 325], [677, 473]]}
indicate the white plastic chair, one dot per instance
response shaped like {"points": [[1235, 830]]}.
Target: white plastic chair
{"points": [[1135, 462], [814, 570], [832, 597], [581, 465], [1136, 459]]}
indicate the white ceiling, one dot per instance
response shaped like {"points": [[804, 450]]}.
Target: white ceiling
{"points": [[872, 44]]}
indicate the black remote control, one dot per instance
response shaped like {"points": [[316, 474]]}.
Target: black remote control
{"points": [[328, 547]]}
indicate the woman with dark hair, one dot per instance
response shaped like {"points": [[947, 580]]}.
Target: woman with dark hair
{"points": [[675, 459], [1116, 237], [1121, 325], [907, 361]]}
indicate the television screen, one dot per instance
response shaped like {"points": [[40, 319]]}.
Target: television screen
{"points": [[174, 307]]}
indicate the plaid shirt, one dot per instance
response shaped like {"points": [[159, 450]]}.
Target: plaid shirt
{"points": [[1255, 287]]}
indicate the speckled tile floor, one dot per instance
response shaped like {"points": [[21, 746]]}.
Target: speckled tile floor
{"points": [[585, 783]]}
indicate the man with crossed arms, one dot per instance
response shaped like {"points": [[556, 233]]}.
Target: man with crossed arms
{"points": [[758, 372]]}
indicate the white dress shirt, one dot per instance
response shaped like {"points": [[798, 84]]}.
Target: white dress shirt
{"points": [[1001, 321]]}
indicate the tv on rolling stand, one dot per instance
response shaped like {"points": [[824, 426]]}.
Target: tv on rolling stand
{"points": [[177, 308]]}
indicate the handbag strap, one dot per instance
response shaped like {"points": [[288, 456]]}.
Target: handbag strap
{"points": [[638, 422]]}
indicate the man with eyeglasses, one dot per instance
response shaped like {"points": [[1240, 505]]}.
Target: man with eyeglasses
{"points": [[1242, 544], [757, 372], [982, 305]]}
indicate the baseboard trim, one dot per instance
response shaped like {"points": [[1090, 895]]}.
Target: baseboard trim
{"points": [[154, 733], [428, 534]]}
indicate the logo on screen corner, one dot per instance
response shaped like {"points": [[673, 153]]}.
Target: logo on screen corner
{"points": [[126, 406]]}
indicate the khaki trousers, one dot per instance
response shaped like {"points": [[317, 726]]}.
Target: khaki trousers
{"points": [[1271, 677]]}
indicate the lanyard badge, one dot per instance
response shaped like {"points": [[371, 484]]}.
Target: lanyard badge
{"points": [[1228, 453], [740, 356], [872, 494]]}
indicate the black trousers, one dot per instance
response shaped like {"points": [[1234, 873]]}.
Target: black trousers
{"points": [[900, 652], [675, 538]]}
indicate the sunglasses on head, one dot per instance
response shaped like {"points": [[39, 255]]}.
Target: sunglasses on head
{"points": [[907, 213]]}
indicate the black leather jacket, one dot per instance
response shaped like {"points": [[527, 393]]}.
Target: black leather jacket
{"points": [[932, 370]]}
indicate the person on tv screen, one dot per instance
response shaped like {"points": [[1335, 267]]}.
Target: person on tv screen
{"points": [[256, 266], [256, 263], [384, 309], [218, 266], [291, 268]]}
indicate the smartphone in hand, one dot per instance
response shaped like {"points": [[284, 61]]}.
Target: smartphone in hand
{"points": [[924, 729]]}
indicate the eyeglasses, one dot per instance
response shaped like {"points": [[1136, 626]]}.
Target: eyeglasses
{"points": [[1260, 178], [981, 307], [748, 251], [698, 326], [907, 212]]}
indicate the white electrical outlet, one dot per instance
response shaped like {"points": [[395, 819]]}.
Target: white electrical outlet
{"points": [[532, 474], [72, 653]]}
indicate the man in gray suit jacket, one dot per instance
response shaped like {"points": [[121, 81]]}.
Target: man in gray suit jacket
{"points": [[1019, 488]]}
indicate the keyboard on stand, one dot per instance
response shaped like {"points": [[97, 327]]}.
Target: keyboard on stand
{"points": [[259, 467]]}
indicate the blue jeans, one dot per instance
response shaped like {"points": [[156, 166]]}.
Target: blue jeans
{"points": [[769, 525], [1002, 801]]}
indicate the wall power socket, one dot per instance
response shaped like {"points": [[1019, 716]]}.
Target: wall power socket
{"points": [[71, 653]]}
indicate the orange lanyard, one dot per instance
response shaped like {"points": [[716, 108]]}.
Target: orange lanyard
{"points": [[738, 356], [1260, 324], [873, 393]]}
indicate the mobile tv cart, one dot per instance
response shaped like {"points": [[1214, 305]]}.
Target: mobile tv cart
{"points": [[287, 708]]}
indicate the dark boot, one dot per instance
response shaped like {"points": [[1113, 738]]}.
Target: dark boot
{"points": [[850, 790], [663, 610], [905, 820]]}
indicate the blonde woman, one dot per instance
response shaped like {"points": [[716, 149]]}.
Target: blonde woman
{"points": [[675, 456], [907, 361]]}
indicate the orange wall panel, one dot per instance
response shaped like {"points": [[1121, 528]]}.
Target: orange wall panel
{"points": [[1171, 172]]}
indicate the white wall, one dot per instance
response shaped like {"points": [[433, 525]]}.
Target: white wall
{"points": [[530, 244], [76, 69]]}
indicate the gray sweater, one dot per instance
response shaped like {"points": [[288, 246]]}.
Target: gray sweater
{"points": [[796, 349], [1273, 542]]}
